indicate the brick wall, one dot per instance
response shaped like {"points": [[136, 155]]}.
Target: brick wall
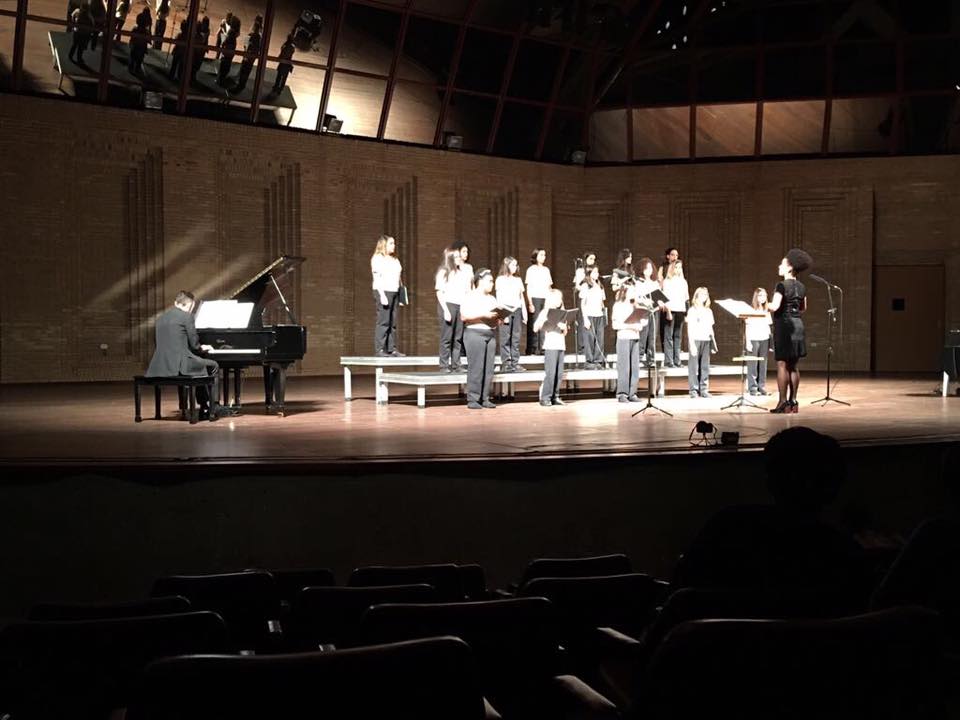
{"points": [[107, 213]]}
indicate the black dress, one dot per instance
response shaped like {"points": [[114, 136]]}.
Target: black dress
{"points": [[789, 337]]}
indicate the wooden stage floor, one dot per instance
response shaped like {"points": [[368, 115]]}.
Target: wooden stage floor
{"points": [[92, 424]]}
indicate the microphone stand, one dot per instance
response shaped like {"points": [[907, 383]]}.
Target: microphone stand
{"points": [[831, 319]]}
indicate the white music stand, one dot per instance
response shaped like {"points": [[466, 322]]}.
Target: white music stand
{"points": [[742, 311]]}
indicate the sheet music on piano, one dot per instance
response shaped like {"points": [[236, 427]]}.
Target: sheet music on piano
{"points": [[229, 314]]}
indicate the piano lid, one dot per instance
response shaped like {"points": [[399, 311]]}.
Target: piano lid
{"points": [[269, 287]]}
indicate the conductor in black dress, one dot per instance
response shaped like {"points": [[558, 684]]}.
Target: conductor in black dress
{"points": [[789, 337], [179, 353]]}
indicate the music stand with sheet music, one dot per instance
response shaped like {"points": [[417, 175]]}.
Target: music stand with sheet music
{"points": [[742, 311], [652, 374]]}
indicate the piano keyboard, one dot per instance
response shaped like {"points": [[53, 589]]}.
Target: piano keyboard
{"points": [[235, 351]]}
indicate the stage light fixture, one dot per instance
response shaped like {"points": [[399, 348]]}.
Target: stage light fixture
{"points": [[452, 141], [331, 124], [578, 156], [152, 100]]}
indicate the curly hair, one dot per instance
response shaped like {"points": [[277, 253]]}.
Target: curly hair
{"points": [[799, 260]]}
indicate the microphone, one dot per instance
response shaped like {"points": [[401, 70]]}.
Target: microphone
{"points": [[825, 282]]}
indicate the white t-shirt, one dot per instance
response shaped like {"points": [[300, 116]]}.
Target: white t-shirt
{"points": [[477, 302], [677, 292], [386, 272], [510, 290], [539, 281], [758, 329], [591, 299], [455, 286], [645, 287], [552, 339], [618, 315], [699, 324]]}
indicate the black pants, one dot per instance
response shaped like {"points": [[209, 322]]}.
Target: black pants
{"points": [[136, 61], [593, 341], [672, 337], [628, 367], [648, 339], [223, 72], [481, 352], [757, 370], [535, 339], [244, 75], [451, 336], [281, 82], [78, 46], [385, 331], [553, 367], [510, 340], [176, 63], [698, 367], [158, 30], [213, 370]]}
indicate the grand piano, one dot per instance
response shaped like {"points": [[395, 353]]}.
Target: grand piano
{"points": [[271, 345]]}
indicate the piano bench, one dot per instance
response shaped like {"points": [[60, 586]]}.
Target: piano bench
{"points": [[186, 390]]}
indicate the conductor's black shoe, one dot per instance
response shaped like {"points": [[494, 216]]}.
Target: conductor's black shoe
{"points": [[622, 398], [474, 406], [558, 401], [634, 398], [381, 353], [397, 353], [487, 404], [226, 411], [546, 403], [519, 368]]}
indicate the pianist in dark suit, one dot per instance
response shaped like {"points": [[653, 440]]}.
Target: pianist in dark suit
{"points": [[179, 352]]}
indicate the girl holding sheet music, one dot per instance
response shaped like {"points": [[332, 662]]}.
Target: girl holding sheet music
{"points": [[623, 271], [481, 317], [386, 271], [757, 332], [554, 347], [452, 284], [699, 343], [628, 321], [593, 318], [509, 288], [646, 285]]}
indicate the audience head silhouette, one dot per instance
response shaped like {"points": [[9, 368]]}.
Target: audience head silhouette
{"points": [[804, 469]]}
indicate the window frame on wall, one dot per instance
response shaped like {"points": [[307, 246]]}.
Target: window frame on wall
{"points": [[594, 56]]}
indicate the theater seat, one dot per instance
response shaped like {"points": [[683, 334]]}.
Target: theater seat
{"points": [[86, 669], [432, 679], [247, 601], [601, 617], [446, 579], [105, 611], [523, 669], [592, 566], [332, 615], [881, 666]]}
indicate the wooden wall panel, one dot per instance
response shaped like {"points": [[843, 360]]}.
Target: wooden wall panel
{"points": [[834, 226], [706, 229]]}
